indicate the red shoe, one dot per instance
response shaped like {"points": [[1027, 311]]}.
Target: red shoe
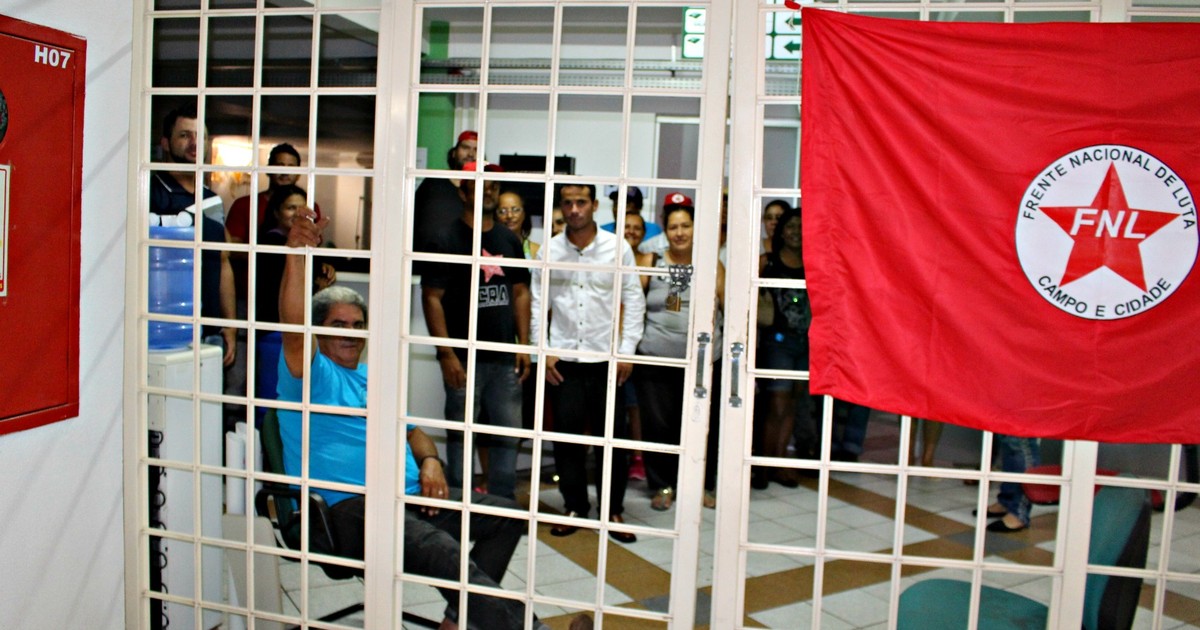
{"points": [[637, 469]]}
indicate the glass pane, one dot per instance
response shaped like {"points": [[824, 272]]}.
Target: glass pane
{"points": [[772, 209], [176, 52], [656, 51], [230, 130], [284, 118], [175, 130], [1179, 603], [672, 124], [426, 392], [440, 143], [781, 146], [1164, 18], [287, 51], [349, 4], [231, 51], [966, 16], [346, 199], [518, 129], [345, 130], [937, 518], [436, 207], [231, 4], [521, 43], [589, 130], [176, 5], [856, 592], [772, 582], [783, 36], [1030, 17], [349, 50], [593, 46], [452, 45], [895, 15]]}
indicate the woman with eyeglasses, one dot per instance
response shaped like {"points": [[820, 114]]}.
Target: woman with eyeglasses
{"points": [[511, 214]]}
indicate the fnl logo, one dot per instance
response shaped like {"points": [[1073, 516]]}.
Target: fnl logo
{"points": [[1107, 232]]}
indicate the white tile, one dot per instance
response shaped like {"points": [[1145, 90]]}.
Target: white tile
{"points": [[557, 568], [857, 517], [772, 508], [857, 607], [1185, 555], [333, 597], [513, 581], [655, 550], [1187, 521], [584, 592], [794, 531], [544, 611], [802, 500], [1187, 589], [759, 564], [1039, 590], [434, 611], [415, 594], [886, 531], [1009, 581], [856, 540], [798, 616]]}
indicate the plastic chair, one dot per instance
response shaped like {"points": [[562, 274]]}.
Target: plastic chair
{"points": [[1120, 537]]}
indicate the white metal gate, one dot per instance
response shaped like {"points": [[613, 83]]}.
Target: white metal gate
{"points": [[616, 94]]}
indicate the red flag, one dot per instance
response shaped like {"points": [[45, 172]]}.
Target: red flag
{"points": [[999, 228]]}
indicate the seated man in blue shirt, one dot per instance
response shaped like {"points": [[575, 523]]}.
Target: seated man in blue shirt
{"points": [[337, 449]]}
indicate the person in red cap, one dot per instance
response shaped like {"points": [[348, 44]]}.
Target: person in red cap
{"points": [[436, 204]]}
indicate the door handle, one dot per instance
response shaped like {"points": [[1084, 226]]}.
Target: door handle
{"points": [[735, 362], [700, 390]]}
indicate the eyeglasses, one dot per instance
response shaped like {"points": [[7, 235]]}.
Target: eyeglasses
{"points": [[504, 212]]}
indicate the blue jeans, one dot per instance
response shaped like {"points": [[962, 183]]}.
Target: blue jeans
{"points": [[497, 390], [1017, 454], [779, 351]]}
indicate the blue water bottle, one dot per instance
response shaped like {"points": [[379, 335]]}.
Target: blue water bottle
{"points": [[171, 288]]}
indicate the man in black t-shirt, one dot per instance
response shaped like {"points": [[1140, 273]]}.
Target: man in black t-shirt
{"points": [[502, 304]]}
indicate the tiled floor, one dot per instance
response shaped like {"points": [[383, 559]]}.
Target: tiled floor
{"points": [[779, 586]]}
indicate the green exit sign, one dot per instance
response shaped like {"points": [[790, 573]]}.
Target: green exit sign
{"points": [[781, 32]]}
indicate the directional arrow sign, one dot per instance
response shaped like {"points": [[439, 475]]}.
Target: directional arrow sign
{"points": [[787, 24], [787, 47]]}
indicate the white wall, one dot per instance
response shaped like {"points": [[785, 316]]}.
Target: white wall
{"points": [[61, 557]]}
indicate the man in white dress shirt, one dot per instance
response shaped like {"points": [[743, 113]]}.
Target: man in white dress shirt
{"points": [[580, 311]]}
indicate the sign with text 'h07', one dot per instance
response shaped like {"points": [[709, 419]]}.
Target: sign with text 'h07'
{"points": [[999, 223]]}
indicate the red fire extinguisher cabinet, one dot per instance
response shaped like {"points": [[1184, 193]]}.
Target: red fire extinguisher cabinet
{"points": [[41, 174]]}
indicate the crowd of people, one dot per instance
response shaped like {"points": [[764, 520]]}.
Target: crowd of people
{"points": [[584, 325]]}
